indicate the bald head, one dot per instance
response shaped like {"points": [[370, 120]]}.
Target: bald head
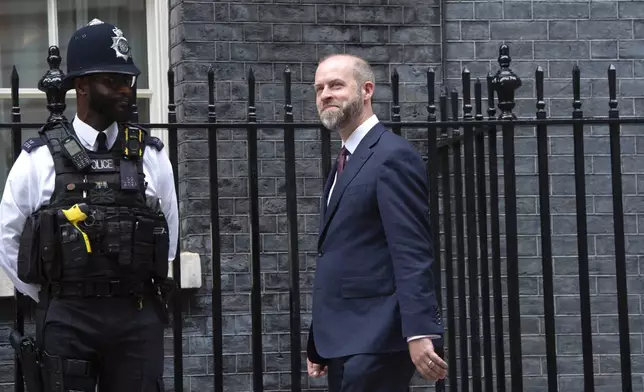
{"points": [[362, 71]]}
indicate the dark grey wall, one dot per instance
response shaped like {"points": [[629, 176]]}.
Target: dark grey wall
{"points": [[268, 36], [556, 36], [406, 35]]}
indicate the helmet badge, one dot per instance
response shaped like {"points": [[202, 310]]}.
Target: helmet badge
{"points": [[120, 45]]}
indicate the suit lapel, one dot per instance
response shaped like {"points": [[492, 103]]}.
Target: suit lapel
{"points": [[325, 194], [353, 166]]}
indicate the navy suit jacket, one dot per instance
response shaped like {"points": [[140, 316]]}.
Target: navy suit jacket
{"points": [[374, 286]]}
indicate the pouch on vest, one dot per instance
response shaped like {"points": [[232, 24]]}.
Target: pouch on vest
{"points": [[29, 262], [73, 248], [112, 238], [161, 248], [49, 245], [143, 248], [126, 232]]}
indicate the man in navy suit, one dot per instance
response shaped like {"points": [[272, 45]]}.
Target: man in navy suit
{"points": [[375, 315]]}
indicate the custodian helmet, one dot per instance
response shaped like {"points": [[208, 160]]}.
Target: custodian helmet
{"points": [[96, 48]]}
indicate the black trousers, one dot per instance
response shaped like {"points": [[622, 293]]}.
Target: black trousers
{"points": [[371, 373], [108, 342]]}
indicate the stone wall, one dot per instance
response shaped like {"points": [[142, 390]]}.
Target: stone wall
{"points": [[267, 36], [557, 36], [406, 36]]}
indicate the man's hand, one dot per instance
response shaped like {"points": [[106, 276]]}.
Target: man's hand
{"points": [[315, 370], [428, 363]]}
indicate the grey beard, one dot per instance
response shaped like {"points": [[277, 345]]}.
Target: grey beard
{"points": [[335, 120], [332, 120]]}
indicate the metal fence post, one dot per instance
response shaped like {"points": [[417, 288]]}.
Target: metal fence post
{"points": [[505, 83]]}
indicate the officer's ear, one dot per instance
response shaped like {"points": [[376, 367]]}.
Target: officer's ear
{"points": [[80, 85]]}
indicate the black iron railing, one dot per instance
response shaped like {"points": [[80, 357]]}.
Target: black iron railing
{"points": [[462, 159]]}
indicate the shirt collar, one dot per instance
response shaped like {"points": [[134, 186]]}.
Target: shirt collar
{"points": [[356, 137], [88, 135]]}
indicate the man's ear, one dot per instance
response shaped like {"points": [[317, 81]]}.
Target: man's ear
{"points": [[80, 85], [367, 90]]}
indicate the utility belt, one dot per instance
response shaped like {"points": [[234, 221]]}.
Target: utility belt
{"points": [[87, 242], [102, 288]]}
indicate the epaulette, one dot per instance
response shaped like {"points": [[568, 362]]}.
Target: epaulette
{"points": [[32, 143], [154, 141]]}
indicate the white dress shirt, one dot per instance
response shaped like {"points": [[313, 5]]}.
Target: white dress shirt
{"points": [[30, 185], [351, 144]]}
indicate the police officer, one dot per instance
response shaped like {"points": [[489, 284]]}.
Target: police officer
{"points": [[88, 226]]}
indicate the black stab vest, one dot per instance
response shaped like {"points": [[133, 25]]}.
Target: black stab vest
{"points": [[127, 233], [100, 184]]}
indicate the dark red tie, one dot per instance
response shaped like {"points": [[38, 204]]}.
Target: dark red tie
{"points": [[342, 159]]}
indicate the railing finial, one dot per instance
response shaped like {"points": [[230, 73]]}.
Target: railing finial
{"points": [[51, 84], [505, 83]]}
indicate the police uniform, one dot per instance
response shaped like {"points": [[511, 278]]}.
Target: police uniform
{"points": [[92, 245]]}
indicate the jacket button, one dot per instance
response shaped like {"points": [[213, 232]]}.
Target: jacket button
{"points": [[320, 254]]}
